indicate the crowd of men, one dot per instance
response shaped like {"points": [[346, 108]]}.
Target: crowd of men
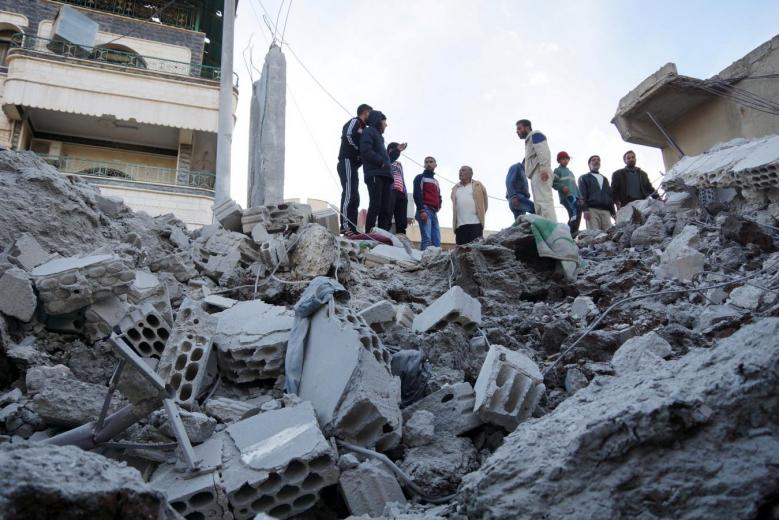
{"points": [[591, 197]]}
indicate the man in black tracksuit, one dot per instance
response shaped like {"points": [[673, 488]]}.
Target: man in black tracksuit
{"points": [[377, 171], [348, 164]]}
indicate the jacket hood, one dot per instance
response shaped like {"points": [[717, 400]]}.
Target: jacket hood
{"points": [[374, 117]]}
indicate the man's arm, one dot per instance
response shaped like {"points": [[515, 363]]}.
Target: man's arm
{"points": [[648, 188], [352, 133], [418, 192], [584, 192], [540, 148], [616, 186]]}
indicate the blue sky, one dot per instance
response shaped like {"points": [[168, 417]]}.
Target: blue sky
{"points": [[453, 77]]}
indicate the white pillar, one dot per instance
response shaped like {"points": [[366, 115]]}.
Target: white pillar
{"points": [[225, 134]]}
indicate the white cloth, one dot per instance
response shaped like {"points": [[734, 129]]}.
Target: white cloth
{"points": [[599, 178], [465, 205]]}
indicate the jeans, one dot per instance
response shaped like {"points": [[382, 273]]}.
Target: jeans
{"points": [[525, 206], [573, 206], [431, 233]]}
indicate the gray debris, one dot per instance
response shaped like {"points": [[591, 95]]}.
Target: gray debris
{"points": [[17, 298]]}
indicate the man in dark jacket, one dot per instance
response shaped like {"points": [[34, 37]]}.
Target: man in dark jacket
{"points": [[348, 164], [518, 191], [631, 183], [377, 171], [597, 199], [427, 197]]}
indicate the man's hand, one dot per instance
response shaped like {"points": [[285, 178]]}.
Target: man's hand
{"points": [[402, 146], [409, 221], [514, 202], [586, 215], [565, 190], [544, 176], [423, 217]]}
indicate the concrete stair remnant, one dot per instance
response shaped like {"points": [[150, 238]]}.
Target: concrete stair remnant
{"points": [[347, 378], [454, 306], [68, 284], [508, 388], [251, 341], [278, 464]]}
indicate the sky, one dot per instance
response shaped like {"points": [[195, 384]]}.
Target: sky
{"points": [[453, 77]]}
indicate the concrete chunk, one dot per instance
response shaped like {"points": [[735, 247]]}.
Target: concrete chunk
{"points": [[229, 214], [281, 462], [641, 352], [508, 388], [69, 284], [27, 253], [199, 427], [217, 253], [452, 407], [101, 317], [368, 488], [456, 306], [277, 217], [385, 254], [346, 376], [147, 288], [419, 429], [251, 340], [17, 299], [273, 253], [328, 218], [582, 307], [145, 330], [404, 316], [227, 410], [380, 316]]}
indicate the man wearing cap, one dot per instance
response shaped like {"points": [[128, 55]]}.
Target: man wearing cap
{"points": [[538, 167], [597, 199], [565, 183]]}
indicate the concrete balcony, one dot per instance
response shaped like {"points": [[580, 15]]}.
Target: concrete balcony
{"points": [[57, 76]]}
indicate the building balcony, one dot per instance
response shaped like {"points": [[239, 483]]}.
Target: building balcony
{"points": [[178, 15], [144, 176]]}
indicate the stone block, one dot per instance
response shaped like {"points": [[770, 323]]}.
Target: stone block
{"points": [[273, 253], [508, 388], [746, 297], [101, 317], [17, 298], [251, 341], [419, 429], [68, 284], [229, 214], [454, 306], [452, 407], [184, 362], [368, 488], [347, 378], [145, 330], [259, 234], [313, 252], [280, 462], [384, 254], [27, 253], [380, 316], [645, 351], [404, 316], [147, 288], [328, 218]]}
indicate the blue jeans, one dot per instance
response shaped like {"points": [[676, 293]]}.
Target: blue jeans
{"points": [[431, 233]]}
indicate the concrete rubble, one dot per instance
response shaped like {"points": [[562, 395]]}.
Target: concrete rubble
{"points": [[510, 404]]}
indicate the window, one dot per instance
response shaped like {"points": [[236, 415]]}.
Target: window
{"points": [[5, 45]]}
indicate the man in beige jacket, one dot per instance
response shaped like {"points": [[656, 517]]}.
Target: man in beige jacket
{"points": [[538, 168], [469, 205]]}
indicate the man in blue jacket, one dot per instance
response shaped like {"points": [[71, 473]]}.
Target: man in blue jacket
{"points": [[348, 164], [377, 171], [518, 191]]}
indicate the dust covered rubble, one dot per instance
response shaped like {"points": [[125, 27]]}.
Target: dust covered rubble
{"points": [[468, 369]]}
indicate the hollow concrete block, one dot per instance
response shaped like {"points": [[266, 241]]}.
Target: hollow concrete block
{"points": [[380, 316], [145, 330], [454, 306], [147, 288], [101, 317]]}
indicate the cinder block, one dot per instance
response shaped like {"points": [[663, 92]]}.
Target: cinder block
{"points": [[380, 316], [453, 408], [508, 388], [17, 299], [251, 340], [27, 253], [274, 253], [69, 284], [277, 218], [346, 376], [184, 363], [260, 234], [200, 496], [385, 254], [101, 317], [328, 218], [454, 306], [368, 488], [145, 330], [280, 462], [229, 214], [147, 288]]}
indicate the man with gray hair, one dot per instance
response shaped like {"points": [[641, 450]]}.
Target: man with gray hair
{"points": [[469, 206]]}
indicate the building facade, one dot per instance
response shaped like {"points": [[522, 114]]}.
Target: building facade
{"points": [[135, 113], [686, 116]]}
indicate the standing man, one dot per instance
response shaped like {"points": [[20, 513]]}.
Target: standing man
{"points": [[348, 163], [377, 171], [518, 191], [399, 194], [565, 184], [469, 205], [597, 199], [631, 183], [538, 168], [427, 197]]}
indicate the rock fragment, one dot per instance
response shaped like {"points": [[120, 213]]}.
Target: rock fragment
{"points": [[17, 298]]}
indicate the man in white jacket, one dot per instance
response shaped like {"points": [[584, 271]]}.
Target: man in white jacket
{"points": [[538, 168]]}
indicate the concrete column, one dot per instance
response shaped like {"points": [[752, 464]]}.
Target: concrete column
{"points": [[266, 137], [225, 135]]}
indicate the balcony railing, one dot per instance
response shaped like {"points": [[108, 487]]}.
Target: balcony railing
{"points": [[177, 15], [117, 57], [131, 172]]}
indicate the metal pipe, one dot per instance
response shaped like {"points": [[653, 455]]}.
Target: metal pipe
{"points": [[665, 134], [107, 401], [181, 435]]}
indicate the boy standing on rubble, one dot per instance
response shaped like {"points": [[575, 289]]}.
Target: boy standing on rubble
{"points": [[565, 184], [427, 197], [399, 195]]}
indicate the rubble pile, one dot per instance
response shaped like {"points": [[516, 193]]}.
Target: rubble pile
{"points": [[262, 367]]}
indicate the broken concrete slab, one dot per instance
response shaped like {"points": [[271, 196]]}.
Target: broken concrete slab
{"points": [[220, 302], [437, 468], [145, 330], [27, 253], [346, 376], [369, 487], [184, 362], [452, 407], [217, 253], [227, 410], [199, 427], [454, 306], [641, 352], [25, 354], [281, 462], [17, 298], [746, 297], [508, 388], [68, 284], [251, 340], [110, 205], [380, 316], [101, 317], [385, 254], [681, 260]]}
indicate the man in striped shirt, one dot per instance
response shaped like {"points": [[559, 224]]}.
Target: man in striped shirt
{"points": [[348, 164], [399, 196]]}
